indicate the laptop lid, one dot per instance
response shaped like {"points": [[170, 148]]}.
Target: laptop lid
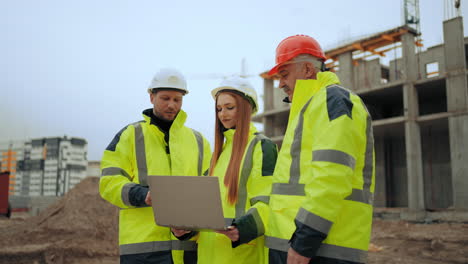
{"points": [[187, 202]]}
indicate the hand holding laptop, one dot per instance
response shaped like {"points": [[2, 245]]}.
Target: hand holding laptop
{"points": [[148, 199], [179, 232], [232, 233]]}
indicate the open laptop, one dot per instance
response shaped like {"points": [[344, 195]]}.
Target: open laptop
{"points": [[187, 202]]}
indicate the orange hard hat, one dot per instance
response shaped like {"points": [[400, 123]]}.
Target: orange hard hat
{"points": [[292, 46]]}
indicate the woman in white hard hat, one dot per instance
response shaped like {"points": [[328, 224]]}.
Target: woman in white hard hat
{"points": [[244, 160]]}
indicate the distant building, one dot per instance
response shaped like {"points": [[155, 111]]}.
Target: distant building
{"points": [[94, 168], [44, 166], [10, 153]]}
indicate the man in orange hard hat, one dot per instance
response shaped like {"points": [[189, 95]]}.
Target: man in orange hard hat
{"points": [[323, 183]]}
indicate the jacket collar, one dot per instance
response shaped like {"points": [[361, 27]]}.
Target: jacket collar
{"points": [[179, 121], [306, 89]]}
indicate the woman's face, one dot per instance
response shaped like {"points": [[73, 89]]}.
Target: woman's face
{"points": [[226, 108]]}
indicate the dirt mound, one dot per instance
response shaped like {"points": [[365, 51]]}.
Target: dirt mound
{"points": [[80, 225], [413, 243]]}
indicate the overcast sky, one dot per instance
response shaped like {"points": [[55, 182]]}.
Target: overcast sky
{"points": [[81, 68]]}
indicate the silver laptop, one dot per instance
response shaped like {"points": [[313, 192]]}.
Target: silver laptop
{"points": [[187, 202]]}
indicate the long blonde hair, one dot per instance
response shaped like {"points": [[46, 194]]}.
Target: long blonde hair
{"points": [[241, 137]]}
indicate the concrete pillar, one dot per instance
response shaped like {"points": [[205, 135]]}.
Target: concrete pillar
{"points": [[268, 124], [458, 129], [455, 65], [409, 59], [268, 104], [412, 130], [457, 101], [346, 71], [268, 95], [380, 199], [414, 166]]}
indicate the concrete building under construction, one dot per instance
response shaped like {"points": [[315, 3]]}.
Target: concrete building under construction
{"points": [[419, 106]]}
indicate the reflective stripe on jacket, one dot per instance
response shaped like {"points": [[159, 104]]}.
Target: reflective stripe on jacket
{"points": [[324, 177], [137, 151], [250, 211]]}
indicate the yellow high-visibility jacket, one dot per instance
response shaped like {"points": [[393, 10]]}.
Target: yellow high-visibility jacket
{"points": [[138, 151], [323, 184], [250, 211]]}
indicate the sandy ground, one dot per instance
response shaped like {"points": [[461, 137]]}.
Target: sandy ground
{"points": [[411, 243], [82, 228]]}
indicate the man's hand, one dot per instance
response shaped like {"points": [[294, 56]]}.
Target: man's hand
{"points": [[232, 233], [179, 232], [295, 258], [148, 199]]}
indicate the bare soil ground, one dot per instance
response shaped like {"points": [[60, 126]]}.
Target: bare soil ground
{"points": [[411, 243], [79, 228], [82, 228]]}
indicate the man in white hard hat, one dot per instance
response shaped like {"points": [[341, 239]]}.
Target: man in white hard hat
{"points": [[159, 145]]}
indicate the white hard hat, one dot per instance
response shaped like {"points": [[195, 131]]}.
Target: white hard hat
{"points": [[241, 85], [168, 78]]}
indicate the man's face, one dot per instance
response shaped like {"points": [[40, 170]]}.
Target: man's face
{"points": [[291, 72], [288, 76], [166, 104]]}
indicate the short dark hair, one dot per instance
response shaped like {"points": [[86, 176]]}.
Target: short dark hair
{"points": [[155, 90]]}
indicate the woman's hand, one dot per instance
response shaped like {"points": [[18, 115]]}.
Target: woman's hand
{"points": [[296, 258], [232, 233], [148, 199], [179, 232]]}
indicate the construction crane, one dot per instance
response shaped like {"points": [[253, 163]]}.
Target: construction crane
{"points": [[452, 9], [411, 14]]}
